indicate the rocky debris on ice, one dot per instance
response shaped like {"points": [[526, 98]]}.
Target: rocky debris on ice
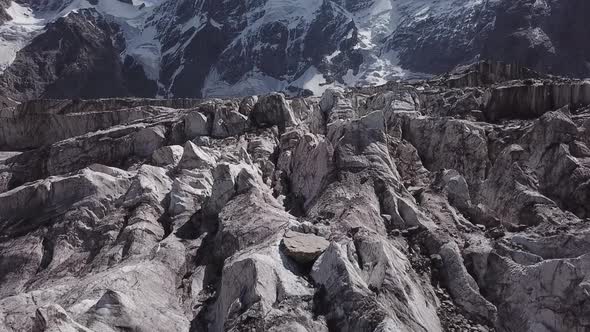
{"points": [[371, 209]]}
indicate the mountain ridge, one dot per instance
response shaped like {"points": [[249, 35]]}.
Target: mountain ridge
{"points": [[203, 48]]}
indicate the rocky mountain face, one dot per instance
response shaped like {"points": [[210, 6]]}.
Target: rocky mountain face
{"points": [[213, 48], [46, 66], [544, 39], [455, 204], [537, 34]]}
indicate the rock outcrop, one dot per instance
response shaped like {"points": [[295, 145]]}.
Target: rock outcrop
{"points": [[456, 204]]}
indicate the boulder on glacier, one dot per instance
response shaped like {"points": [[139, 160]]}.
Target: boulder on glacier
{"points": [[304, 248]]}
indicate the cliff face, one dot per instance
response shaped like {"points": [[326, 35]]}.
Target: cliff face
{"points": [[450, 204]]}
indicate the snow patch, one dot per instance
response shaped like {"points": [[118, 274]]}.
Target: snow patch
{"points": [[17, 33], [312, 80], [253, 83]]}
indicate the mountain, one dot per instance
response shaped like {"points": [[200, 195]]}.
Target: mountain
{"points": [[459, 203], [205, 48]]}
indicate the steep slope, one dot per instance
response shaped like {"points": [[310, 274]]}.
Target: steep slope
{"points": [[236, 48], [543, 35], [539, 34], [456, 204], [434, 34]]}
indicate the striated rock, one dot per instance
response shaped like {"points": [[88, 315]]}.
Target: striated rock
{"points": [[530, 99], [335, 106], [347, 286], [35, 124], [462, 286], [59, 191], [189, 191], [247, 105], [251, 284], [249, 218], [307, 162], [564, 280], [487, 73], [463, 146]]}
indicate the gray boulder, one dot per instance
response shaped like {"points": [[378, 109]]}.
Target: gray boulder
{"points": [[304, 248]]}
